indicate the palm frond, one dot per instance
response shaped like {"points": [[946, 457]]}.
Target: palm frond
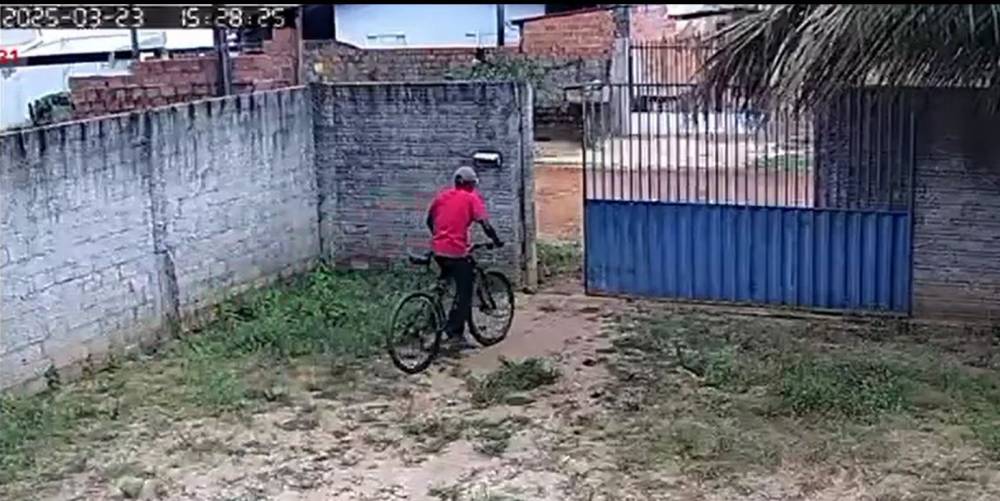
{"points": [[805, 54]]}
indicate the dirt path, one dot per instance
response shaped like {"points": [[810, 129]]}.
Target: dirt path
{"points": [[625, 420], [372, 433]]}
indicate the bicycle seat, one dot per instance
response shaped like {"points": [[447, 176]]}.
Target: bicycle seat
{"points": [[421, 259]]}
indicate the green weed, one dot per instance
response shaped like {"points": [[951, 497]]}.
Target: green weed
{"points": [[558, 259], [853, 388], [331, 314], [766, 388], [511, 377]]}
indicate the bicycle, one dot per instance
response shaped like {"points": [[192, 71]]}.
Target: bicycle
{"points": [[426, 327]]}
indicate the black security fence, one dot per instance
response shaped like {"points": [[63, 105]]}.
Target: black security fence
{"points": [[691, 150], [658, 139]]}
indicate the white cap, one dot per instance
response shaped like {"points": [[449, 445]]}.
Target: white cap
{"points": [[466, 174]]}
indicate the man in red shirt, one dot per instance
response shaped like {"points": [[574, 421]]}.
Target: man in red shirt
{"points": [[449, 218]]}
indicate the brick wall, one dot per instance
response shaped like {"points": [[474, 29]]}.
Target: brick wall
{"points": [[651, 23], [867, 146], [168, 81], [383, 151], [339, 62], [119, 229], [586, 34], [114, 227], [863, 142], [571, 48], [957, 228], [335, 62]]}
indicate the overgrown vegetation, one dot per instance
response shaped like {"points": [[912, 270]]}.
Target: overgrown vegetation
{"points": [[559, 259], [721, 395], [810, 52], [490, 438], [510, 378], [51, 108], [505, 67], [435, 432], [327, 315]]}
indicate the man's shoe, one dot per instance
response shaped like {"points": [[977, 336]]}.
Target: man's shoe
{"points": [[458, 343]]}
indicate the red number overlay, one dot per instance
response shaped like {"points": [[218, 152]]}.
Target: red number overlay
{"points": [[8, 56]]}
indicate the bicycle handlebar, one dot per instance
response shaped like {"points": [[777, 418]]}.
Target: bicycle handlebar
{"points": [[483, 245], [426, 257]]}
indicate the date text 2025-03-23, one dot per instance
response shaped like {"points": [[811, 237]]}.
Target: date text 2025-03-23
{"points": [[145, 16]]}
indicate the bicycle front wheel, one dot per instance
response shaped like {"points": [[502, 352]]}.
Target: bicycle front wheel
{"points": [[492, 309], [414, 336]]}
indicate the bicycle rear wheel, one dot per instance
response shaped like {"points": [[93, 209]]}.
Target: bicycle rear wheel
{"points": [[492, 308], [414, 336]]}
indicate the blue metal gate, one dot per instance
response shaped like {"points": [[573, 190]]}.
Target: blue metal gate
{"points": [[721, 202]]}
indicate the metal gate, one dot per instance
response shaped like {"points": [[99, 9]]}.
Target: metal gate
{"points": [[724, 202]]}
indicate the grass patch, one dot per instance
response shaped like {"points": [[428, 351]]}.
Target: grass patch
{"points": [[326, 314], [511, 377], [493, 438], [559, 259], [434, 433], [445, 492], [455, 492], [718, 395], [852, 388]]}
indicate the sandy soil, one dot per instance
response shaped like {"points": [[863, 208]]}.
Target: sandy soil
{"points": [[371, 433], [348, 440]]}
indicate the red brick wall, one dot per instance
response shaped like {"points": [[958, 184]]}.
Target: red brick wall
{"points": [[188, 78], [584, 34], [338, 62], [650, 23], [571, 48]]}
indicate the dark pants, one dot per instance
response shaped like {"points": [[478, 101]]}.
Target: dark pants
{"points": [[461, 271]]}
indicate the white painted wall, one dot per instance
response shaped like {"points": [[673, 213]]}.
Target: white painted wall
{"points": [[428, 25]]}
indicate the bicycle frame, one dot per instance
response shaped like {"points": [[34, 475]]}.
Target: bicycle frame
{"points": [[440, 288]]}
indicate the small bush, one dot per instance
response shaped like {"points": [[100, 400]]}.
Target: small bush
{"points": [[26, 420], [556, 259], [988, 434], [512, 377], [329, 312], [326, 312], [853, 388]]}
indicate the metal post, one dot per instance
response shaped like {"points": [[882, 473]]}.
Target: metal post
{"points": [[500, 25], [222, 50], [133, 33]]}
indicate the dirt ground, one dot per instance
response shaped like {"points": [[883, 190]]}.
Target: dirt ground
{"points": [[558, 202], [620, 423], [371, 433]]}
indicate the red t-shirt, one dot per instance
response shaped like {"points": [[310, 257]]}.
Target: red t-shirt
{"points": [[453, 212]]}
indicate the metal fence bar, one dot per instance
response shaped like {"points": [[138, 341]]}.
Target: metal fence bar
{"points": [[880, 148], [586, 144], [657, 142], [660, 172], [899, 145], [605, 147]]}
